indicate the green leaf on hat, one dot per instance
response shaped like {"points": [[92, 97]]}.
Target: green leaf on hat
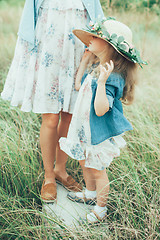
{"points": [[114, 36], [119, 42], [120, 39], [105, 33], [122, 46], [110, 18], [113, 42]]}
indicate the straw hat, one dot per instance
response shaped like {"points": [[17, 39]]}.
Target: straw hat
{"points": [[117, 34]]}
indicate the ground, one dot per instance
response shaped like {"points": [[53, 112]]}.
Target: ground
{"points": [[66, 210]]}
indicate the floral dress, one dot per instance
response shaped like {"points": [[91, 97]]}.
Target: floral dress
{"points": [[42, 80], [78, 142]]}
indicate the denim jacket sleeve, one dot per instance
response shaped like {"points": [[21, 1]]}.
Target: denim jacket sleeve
{"points": [[114, 88], [113, 122], [110, 92]]}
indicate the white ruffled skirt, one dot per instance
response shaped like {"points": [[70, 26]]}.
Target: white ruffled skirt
{"points": [[42, 80], [78, 142]]}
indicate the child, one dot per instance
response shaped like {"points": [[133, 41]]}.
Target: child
{"points": [[95, 133], [41, 76]]}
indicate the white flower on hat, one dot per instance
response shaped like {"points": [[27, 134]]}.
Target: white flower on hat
{"points": [[96, 26], [91, 23]]}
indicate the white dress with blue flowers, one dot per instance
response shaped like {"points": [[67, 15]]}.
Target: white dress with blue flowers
{"points": [[42, 80], [78, 142]]}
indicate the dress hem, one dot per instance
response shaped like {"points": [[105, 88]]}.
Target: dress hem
{"points": [[38, 112]]}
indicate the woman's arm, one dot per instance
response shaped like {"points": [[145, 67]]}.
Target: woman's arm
{"points": [[101, 103], [82, 67]]}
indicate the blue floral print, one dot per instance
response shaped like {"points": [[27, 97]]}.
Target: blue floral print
{"points": [[72, 38], [51, 30], [77, 151], [81, 135], [42, 79], [47, 60]]}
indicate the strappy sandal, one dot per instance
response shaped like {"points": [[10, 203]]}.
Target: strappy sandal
{"points": [[72, 196], [97, 220]]}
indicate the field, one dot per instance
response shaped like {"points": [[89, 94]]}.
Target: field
{"points": [[133, 204]]}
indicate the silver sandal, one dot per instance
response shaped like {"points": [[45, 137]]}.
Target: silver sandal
{"points": [[72, 196], [97, 221]]}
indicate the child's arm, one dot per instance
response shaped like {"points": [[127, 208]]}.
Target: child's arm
{"points": [[82, 67], [101, 103]]}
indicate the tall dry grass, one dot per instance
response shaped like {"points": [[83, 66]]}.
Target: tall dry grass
{"points": [[133, 204]]}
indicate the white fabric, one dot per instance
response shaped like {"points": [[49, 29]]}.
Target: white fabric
{"points": [[42, 80], [63, 4], [78, 142]]}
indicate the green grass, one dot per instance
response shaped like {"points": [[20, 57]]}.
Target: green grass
{"points": [[133, 204]]}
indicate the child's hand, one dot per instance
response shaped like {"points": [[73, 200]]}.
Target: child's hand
{"points": [[86, 56], [104, 73]]}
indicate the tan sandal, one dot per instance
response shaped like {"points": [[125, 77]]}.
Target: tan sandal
{"points": [[48, 192], [70, 184]]}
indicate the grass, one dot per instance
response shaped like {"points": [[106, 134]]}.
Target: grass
{"points": [[133, 204]]}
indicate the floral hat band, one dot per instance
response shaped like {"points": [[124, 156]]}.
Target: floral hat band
{"points": [[116, 34]]}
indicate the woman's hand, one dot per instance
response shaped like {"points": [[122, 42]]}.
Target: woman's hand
{"points": [[104, 73], [84, 61]]}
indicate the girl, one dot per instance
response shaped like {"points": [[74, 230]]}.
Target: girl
{"points": [[95, 133], [41, 76]]}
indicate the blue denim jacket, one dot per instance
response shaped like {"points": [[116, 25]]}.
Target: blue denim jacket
{"points": [[113, 122], [30, 12]]}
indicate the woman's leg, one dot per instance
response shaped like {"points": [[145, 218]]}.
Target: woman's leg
{"points": [[102, 186], [61, 157], [48, 142]]}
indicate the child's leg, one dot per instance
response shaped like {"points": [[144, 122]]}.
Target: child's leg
{"points": [[102, 186], [96, 180], [90, 191], [88, 177], [48, 142], [61, 157]]}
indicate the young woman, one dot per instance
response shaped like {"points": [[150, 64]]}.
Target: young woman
{"points": [[41, 76]]}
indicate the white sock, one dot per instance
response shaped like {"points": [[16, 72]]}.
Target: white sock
{"points": [[87, 193], [90, 194], [101, 211]]}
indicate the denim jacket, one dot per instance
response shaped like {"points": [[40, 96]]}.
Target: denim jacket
{"points": [[113, 122], [30, 12]]}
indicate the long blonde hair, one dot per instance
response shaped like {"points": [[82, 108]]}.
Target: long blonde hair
{"points": [[126, 68]]}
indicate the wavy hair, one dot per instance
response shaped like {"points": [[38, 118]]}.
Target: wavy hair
{"points": [[126, 68]]}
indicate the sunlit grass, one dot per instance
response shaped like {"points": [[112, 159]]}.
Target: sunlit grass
{"points": [[133, 202]]}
